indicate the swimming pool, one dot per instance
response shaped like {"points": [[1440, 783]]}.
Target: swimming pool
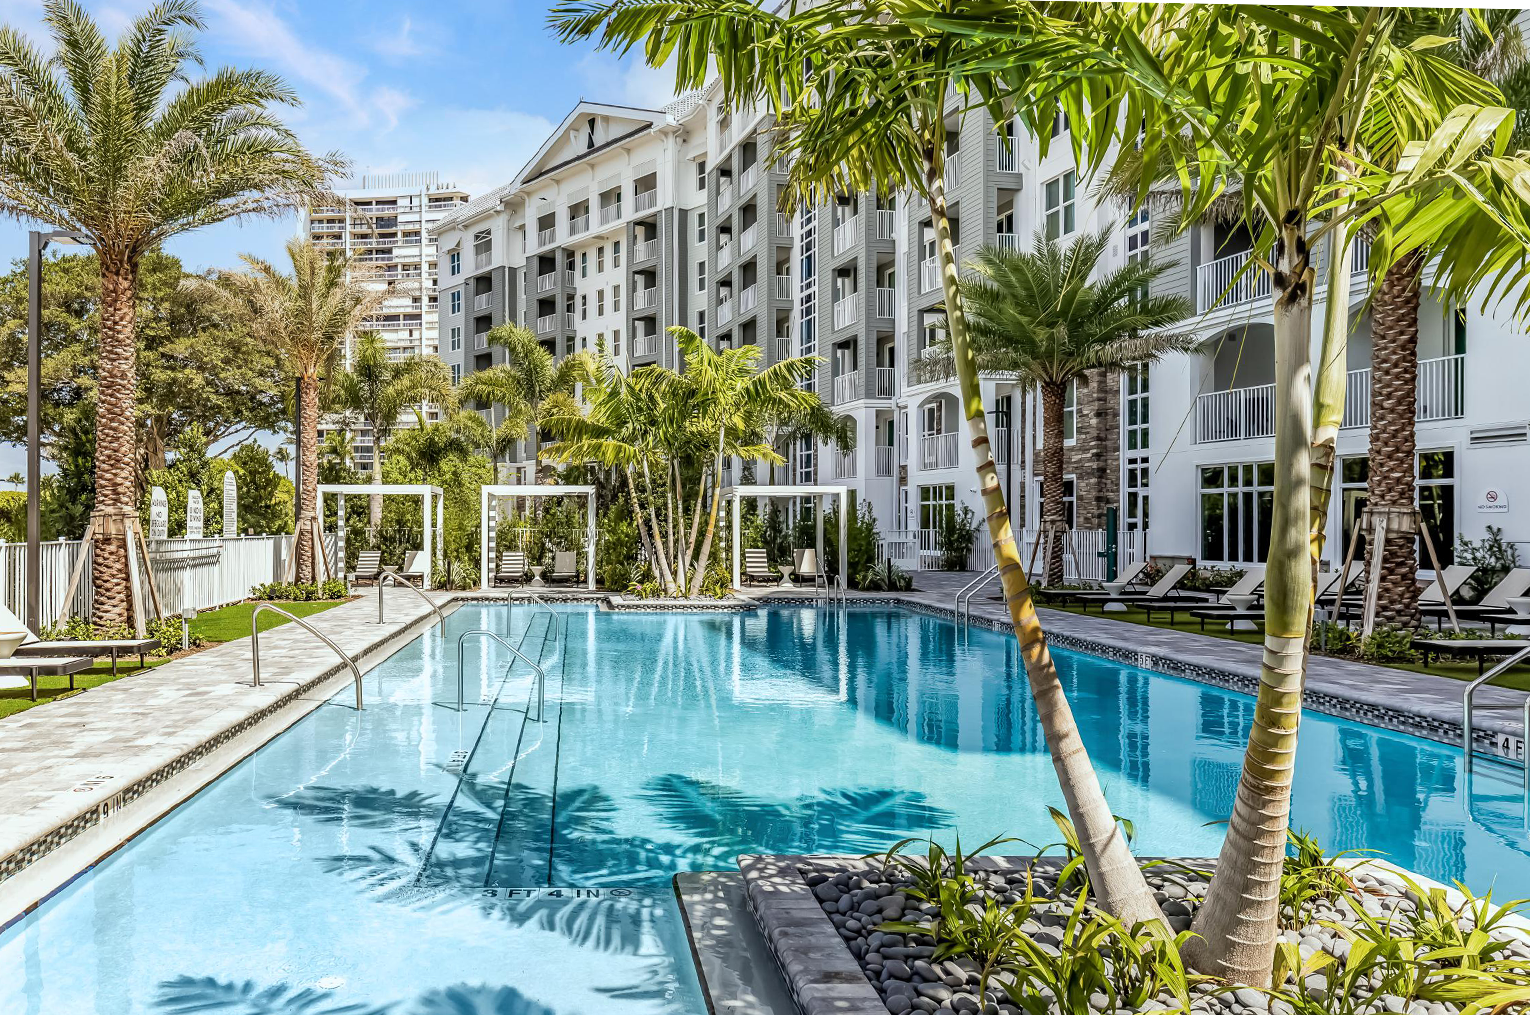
{"points": [[418, 860]]}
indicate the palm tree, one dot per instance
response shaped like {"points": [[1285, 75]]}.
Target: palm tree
{"points": [[305, 317], [531, 385], [863, 100], [124, 145], [1041, 318], [379, 390]]}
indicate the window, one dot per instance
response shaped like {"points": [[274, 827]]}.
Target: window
{"points": [[701, 276], [616, 299], [701, 227], [456, 301], [1236, 503], [455, 260], [935, 502], [1070, 413], [701, 175], [456, 340], [1137, 234], [1436, 491], [584, 306], [1136, 466], [457, 372], [1070, 499], [701, 324], [933, 418], [1060, 205], [600, 259], [584, 264], [600, 303], [1059, 124], [616, 342], [616, 254]]}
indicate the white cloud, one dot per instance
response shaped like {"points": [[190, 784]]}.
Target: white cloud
{"points": [[629, 82], [402, 44]]}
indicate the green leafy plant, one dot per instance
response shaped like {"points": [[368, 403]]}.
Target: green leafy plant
{"points": [[1492, 555], [1073, 869], [1334, 639], [955, 535], [300, 592], [940, 878], [167, 631], [885, 577], [1207, 578], [80, 629], [457, 571], [1308, 877], [1389, 645]]}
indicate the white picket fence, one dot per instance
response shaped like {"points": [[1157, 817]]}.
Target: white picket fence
{"points": [[212, 572], [1083, 551]]}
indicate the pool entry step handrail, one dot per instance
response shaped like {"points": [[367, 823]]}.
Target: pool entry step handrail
{"points": [[536, 600], [305, 625], [1466, 715], [541, 673], [388, 576], [964, 597]]}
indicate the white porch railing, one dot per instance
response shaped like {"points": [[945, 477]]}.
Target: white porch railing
{"points": [[938, 451], [783, 288], [749, 298], [645, 299], [847, 387], [999, 439], [844, 465], [610, 213], [1225, 283], [783, 347], [724, 196], [645, 200], [886, 382], [545, 237], [647, 250], [724, 312], [579, 224], [1441, 388], [747, 178], [953, 172], [845, 312], [545, 283], [1235, 414], [887, 223], [569, 320], [882, 464], [645, 345], [568, 277], [480, 341], [1357, 399], [546, 323], [1008, 241], [887, 301], [746, 241], [929, 275], [481, 301], [724, 255], [846, 234], [1009, 157], [783, 224], [1083, 551]]}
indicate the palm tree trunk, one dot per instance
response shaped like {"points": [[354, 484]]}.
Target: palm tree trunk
{"points": [[1237, 924], [116, 468], [1114, 875], [706, 543], [375, 502], [308, 495], [665, 574], [1329, 391], [1394, 407], [1054, 508], [642, 524]]}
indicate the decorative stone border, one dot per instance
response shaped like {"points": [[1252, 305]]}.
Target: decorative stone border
{"points": [[733, 604]]}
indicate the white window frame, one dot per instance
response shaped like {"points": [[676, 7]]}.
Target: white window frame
{"points": [[456, 337], [454, 259], [455, 301], [1060, 199]]}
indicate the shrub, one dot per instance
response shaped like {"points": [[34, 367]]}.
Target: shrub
{"points": [[1389, 645], [458, 571], [885, 577], [80, 629], [300, 592], [167, 631], [616, 554], [1207, 578], [1493, 556], [955, 536], [1334, 639]]}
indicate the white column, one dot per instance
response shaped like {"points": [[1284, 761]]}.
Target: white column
{"points": [[589, 543], [483, 537], [737, 552], [340, 536], [440, 521], [425, 524], [844, 527], [819, 505]]}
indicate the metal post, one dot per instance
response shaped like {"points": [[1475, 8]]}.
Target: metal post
{"points": [[35, 244], [1110, 543]]}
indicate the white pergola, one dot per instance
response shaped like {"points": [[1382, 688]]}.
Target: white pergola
{"points": [[737, 493], [488, 498], [429, 495]]}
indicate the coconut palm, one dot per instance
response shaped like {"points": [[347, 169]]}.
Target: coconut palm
{"points": [[380, 390], [531, 385], [863, 102], [125, 145], [305, 317], [1043, 317]]}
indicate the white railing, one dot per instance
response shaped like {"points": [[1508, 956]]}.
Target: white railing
{"points": [[1009, 155], [546, 282], [1441, 392], [847, 387], [481, 301], [998, 439], [1360, 258], [845, 312], [747, 178], [648, 249], [887, 302], [645, 200], [546, 323], [938, 451], [724, 312], [545, 237], [886, 382], [724, 196], [481, 259], [481, 340], [579, 224], [645, 345], [610, 213], [1008, 241], [724, 255], [929, 274], [1225, 283], [1357, 399], [645, 299], [746, 242], [844, 465], [783, 288], [749, 298], [887, 222], [846, 234], [783, 224], [1235, 414], [568, 277], [783, 347], [1083, 551], [953, 172], [569, 320], [882, 460]]}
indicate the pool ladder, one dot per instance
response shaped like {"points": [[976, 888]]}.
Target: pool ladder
{"points": [[541, 673], [1466, 719], [389, 576], [964, 597], [305, 625]]}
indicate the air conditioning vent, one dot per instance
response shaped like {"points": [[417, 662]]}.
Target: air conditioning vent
{"points": [[1500, 434]]}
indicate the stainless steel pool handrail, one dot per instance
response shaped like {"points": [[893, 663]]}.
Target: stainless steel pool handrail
{"points": [[964, 597], [305, 625], [537, 600], [388, 576], [541, 673], [1466, 715]]}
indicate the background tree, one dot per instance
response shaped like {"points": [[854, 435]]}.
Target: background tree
{"points": [[530, 386], [1043, 317], [126, 145], [304, 316]]}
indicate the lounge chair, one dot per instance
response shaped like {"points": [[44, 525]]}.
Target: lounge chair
{"points": [[1250, 585], [1455, 576], [565, 567], [757, 567], [1163, 590], [1327, 589], [1129, 577], [1479, 649], [33, 647], [368, 566], [414, 567], [512, 568], [807, 568], [1494, 605]]}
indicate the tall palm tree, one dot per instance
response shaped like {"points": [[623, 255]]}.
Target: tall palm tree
{"points": [[380, 390], [304, 316], [531, 385], [125, 145], [1041, 317]]}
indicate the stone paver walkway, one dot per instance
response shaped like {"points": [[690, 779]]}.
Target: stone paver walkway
{"points": [[67, 763]]}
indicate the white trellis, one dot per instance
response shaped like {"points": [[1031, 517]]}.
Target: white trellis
{"points": [[819, 493], [488, 521], [430, 497]]}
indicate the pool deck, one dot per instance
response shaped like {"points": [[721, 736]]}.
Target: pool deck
{"points": [[71, 766]]}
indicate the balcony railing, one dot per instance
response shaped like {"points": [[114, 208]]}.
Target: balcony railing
{"points": [[953, 172], [937, 451], [847, 387], [783, 347], [724, 311], [724, 255], [610, 213], [1008, 241], [579, 224], [481, 340], [545, 237], [887, 302], [1360, 258], [547, 323], [1357, 399], [747, 178], [546, 283], [1235, 415], [481, 259], [724, 195], [882, 464], [844, 465], [1440, 395], [746, 242], [645, 299], [845, 311], [647, 250], [569, 320], [999, 439], [645, 345], [783, 289], [1225, 283], [749, 299], [1009, 155], [929, 274], [783, 224], [887, 223], [846, 234], [568, 278], [886, 382], [481, 301]]}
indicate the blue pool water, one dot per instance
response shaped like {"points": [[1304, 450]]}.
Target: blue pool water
{"points": [[420, 861]]}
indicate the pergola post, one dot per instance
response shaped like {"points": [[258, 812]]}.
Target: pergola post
{"points": [[818, 503], [425, 524], [737, 550], [339, 531], [589, 541], [844, 528], [483, 537], [440, 528]]}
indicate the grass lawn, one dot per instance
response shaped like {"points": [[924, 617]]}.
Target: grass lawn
{"points": [[1464, 669], [215, 627]]}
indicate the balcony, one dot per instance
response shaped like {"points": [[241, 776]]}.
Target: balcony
{"points": [[937, 451], [783, 287], [886, 382], [569, 320], [645, 299], [645, 200], [846, 234], [545, 237], [1225, 283], [724, 195], [724, 311], [645, 345], [1008, 160], [746, 242], [887, 302], [481, 341], [847, 387], [481, 259], [482, 301], [845, 311], [724, 255], [1235, 415], [844, 465], [568, 278], [783, 224], [547, 324], [1441, 392], [887, 223], [1008, 241], [579, 224], [783, 347], [610, 213], [953, 172], [998, 439], [882, 465], [749, 299], [929, 274], [647, 250], [547, 282], [748, 177]]}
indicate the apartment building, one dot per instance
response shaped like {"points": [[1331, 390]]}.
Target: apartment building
{"points": [[384, 223]]}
